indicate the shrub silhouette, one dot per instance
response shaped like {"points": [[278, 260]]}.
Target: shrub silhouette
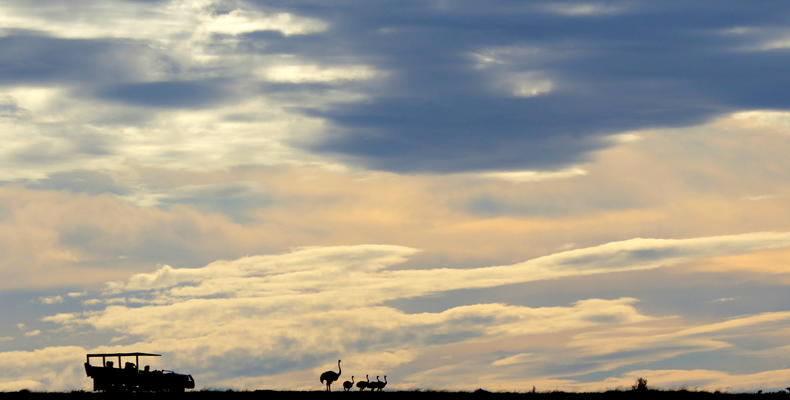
{"points": [[640, 386]]}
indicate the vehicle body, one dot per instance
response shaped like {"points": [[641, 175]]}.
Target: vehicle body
{"points": [[130, 378]]}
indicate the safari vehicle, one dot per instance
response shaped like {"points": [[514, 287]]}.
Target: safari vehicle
{"points": [[110, 378]]}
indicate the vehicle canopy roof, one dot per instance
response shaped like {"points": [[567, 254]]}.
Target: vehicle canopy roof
{"points": [[123, 354]]}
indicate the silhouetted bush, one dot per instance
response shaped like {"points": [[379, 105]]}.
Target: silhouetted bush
{"points": [[641, 385]]}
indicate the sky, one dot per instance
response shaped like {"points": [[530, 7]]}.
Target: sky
{"points": [[456, 194]]}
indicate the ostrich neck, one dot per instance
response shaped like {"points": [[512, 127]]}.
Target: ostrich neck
{"points": [[339, 370]]}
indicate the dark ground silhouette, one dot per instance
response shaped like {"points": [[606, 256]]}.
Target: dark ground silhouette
{"points": [[405, 395]]}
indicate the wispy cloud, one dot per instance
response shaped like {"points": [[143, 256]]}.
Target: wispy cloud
{"points": [[51, 300], [287, 312]]}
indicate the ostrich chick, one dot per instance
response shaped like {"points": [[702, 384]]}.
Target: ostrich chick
{"points": [[381, 385], [347, 385], [363, 384], [374, 385]]}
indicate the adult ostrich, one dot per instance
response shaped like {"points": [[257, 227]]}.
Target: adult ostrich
{"points": [[363, 384], [347, 385], [331, 376]]}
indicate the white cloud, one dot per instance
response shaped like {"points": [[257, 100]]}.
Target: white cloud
{"points": [[516, 359], [583, 9], [535, 176], [55, 367], [258, 273], [168, 22], [51, 299], [67, 135], [780, 41], [760, 120], [279, 312], [181, 38], [710, 336], [301, 73], [243, 21], [528, 84]]}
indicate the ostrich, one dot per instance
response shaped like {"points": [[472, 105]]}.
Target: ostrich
{"points": [[363, 384], [347, 385], [373, 385], [331, 376], [381, 385]]}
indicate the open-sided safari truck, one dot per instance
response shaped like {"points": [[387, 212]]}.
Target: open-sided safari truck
{"points": [[129, 377]]}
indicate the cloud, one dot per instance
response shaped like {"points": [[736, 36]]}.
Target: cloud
{"points": [[536, 176], [768, 263], [51, 367], [723, 300], [34, 59], [611, 257], [570, 360], [183, 216], [313, 73], [166, 94], [281, 313], [239, 200], [582, 9], [79, 181], [703, 336], [447, 114], [423, 88], [51, 300], [240, 21], [8, 107], [164, 20], [78, 240]]}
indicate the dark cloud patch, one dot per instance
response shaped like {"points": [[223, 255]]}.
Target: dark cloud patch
{"points": [[8, 107], [42, 152], [237, 200], [692, 295], [730, 360], [555, 205], [736, 361], [171, 242], [35, 59], [62, 143], [80, 181], [635, 65], [167, 94]]}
